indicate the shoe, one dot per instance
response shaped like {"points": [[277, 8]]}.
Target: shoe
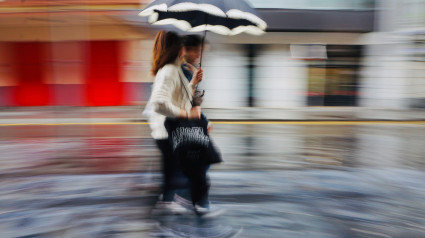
{"points": [[208, 212], [169, 208], [183, 202]]}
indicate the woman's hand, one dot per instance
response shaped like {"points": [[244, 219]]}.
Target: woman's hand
{"points": [[197, 77], [195, 113], [190, 68]]}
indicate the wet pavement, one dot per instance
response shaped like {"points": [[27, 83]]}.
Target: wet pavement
{"points": [[277, 181]]}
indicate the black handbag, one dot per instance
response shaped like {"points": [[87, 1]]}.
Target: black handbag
{"points": [[191, 143], [190, 140]]}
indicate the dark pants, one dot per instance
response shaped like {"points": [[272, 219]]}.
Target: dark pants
{"points": [[176, 176], [199, 184]]}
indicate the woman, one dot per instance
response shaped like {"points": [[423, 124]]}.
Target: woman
{"points": [[171, 97]]}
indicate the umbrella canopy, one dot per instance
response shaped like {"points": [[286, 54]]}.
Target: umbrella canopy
{"points": [[225, 17]]}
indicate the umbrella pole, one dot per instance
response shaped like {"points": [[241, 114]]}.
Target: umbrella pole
{"points": [[202, 49]]}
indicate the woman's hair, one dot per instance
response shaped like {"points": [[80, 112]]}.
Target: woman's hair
{"points": [[165, 50]]}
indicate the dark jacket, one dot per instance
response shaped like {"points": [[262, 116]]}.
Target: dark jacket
{"points": [[189, 76]]}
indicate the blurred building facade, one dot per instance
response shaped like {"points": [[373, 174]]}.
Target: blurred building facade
{"points": [[67, 52], [393, 74], [333, 53]]}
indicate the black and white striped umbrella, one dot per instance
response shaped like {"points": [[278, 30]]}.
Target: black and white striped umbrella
{"points": [[225, 17]]}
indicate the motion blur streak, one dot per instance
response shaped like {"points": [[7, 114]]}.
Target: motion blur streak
{"points": [[320, 121], [234, 123]]}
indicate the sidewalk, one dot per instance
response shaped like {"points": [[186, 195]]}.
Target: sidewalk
{"points": [[123, 114]]}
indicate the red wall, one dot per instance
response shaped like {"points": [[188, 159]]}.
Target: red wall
{"points": [[102, 79], [29, 63], [103, 73]]}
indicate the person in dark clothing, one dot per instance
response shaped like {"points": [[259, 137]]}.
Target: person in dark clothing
{"points": [[193, 48]]}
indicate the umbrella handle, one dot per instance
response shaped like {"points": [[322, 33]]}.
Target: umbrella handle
{"points": [[202, 49], [203, 38]]}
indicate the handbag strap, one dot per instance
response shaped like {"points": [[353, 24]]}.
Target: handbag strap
{"points": [[191, 101], [184, 86]]}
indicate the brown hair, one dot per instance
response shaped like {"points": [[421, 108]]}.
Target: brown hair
{"points": [[165, 50]]}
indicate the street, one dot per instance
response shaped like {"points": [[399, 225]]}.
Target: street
{"points": [[278, 180], [317, 109]]}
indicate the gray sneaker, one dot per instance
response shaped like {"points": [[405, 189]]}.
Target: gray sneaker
{"points": [[183, 202], [169, 208], [209, 212]]}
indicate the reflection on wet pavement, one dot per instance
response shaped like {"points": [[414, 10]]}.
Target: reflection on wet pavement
{"points": [[69, 156], [313, 203], [277, 181]]}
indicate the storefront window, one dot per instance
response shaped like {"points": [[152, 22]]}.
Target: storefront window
{"points": [[334, 81]]}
